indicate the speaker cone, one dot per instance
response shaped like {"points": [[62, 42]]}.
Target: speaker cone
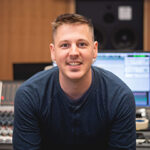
{"points": [[124, 38]]}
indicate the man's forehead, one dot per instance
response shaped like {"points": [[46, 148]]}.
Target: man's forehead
{"points": [[66, 30], [72, 28]]}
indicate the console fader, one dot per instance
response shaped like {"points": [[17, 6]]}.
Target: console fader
{"points": [[7, 94]]}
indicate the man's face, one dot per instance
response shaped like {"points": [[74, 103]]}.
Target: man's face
{"points": [[74, 50]]}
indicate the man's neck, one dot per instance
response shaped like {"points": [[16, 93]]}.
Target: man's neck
{"points": [[76, 88]]}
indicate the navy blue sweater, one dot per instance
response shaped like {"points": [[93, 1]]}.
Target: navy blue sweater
{"points": [[103, 116]]}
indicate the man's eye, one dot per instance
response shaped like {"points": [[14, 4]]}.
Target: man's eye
{"points": [[82, 44], [65, 45]]}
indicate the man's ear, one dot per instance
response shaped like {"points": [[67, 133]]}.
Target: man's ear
{"points": [[52, 51], [95, 49]]}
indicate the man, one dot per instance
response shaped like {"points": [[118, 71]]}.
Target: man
{"points": [[74, 103]]}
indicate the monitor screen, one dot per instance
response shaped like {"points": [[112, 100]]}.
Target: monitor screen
{"points": [[133, 68]]}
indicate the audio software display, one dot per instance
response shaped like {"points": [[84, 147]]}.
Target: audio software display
{"points": [[133, 68]]}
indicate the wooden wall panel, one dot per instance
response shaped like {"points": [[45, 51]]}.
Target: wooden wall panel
{"points": [[25, 31]]}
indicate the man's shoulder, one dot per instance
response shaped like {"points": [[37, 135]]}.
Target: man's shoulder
{"points": [[36, 87], [40, 79]]}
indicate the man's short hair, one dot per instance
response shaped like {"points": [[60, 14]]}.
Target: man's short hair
{"points": [[71, 19]]}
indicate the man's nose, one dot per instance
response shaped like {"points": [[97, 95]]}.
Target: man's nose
{"points": [[74, 50]]}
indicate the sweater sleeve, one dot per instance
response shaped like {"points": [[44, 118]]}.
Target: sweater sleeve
{"points": [[123, 131], [26, 132]]}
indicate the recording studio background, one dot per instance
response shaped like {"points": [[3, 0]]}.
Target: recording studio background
{"points": [[25, 35], [25, 28]]}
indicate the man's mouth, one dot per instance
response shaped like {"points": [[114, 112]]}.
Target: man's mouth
{"points": [[74, 63]]}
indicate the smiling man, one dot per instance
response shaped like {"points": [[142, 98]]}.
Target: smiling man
{"points": [[74, 103], [74, 50]]}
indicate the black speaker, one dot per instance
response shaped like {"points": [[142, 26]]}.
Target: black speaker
{"points": [[118, 24]]}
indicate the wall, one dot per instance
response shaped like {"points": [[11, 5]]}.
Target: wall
{"points": [[25, 31]]}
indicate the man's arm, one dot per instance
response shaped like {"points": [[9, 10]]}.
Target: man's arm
{"points": [[123, 130], [26, 133]]}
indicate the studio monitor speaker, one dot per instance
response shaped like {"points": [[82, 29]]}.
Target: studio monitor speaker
{"points": [[118, 24]]}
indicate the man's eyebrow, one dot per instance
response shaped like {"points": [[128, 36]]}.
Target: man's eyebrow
{"points": [[78, 40], [83, 40], [63, 41]]}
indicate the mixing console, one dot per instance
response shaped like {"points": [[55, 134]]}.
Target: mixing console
{"points": [[143, 140], [6, 124], [7, 94]]}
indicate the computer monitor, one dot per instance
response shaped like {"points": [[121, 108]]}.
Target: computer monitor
{"points": [[133, 68]]}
